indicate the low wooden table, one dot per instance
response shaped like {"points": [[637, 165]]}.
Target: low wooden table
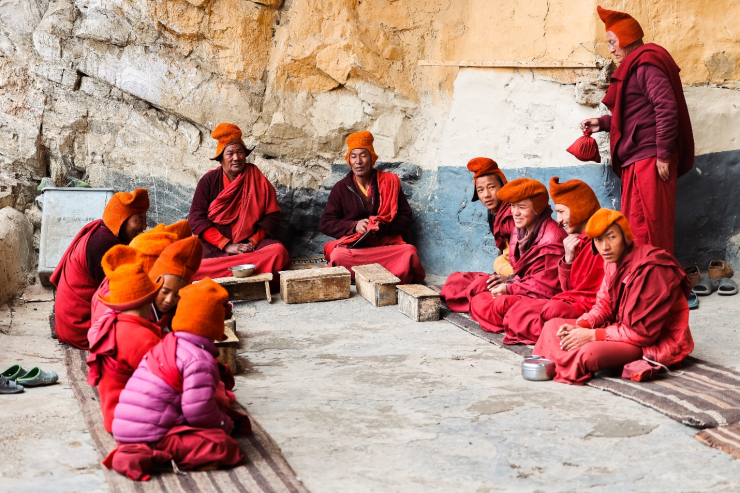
{"points": [[228, 346], [256, 287], [419, 302], [376, 284], [311, 285]]}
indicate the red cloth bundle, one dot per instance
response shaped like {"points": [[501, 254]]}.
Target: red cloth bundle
{"points": [[640, 371], [585, 148]]}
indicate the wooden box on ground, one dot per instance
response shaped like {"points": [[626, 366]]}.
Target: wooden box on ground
{"points": [[376, 284], [255, 287], [418, 302], [228, 346], [310, 285]]}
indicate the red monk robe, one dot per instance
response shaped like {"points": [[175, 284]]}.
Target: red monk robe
{"points": [[535, 262], [389, 215], [244, 210], [579, 281], [460, 287], [641, 310]]}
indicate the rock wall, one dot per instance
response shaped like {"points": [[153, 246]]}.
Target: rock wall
{"points": [[17, 260], [124, 93]]}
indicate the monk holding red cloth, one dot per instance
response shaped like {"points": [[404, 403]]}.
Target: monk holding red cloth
{"points": [[79, 272], [123, 335], [641, 310], [488, 179], [651, 139], [580, 270], [235, 212], [535, 248], [368, 212]]}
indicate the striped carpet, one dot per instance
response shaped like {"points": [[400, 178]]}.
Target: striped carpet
{"points": [[265, 471], [725, 438]]}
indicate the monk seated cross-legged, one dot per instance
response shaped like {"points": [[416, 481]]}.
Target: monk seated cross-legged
{"points": [[368, 213], [460, 287], [641, 311], [535, 248], [580, 270], [235, 212]]}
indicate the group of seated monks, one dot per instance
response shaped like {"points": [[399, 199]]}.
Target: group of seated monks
{"points": [[145, 306]]}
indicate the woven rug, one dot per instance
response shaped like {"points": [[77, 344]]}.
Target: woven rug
{"points": [[726, 438], [265, 470]]}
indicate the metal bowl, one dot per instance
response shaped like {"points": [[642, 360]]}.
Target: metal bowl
{"points": [[245, 270], [538, 368]]}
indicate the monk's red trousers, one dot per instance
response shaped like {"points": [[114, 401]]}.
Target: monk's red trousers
{"points": [[400, 260], [524, 321], [577, 367], [461, 287], [490, 312], [649, 203], [270, 256]]}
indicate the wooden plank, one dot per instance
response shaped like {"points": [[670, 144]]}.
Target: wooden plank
{"points": [[419, 302], [509, 64], [228, 345], [417, 290], [376, 284], [255, 287], [311, 285], [228, 281]]}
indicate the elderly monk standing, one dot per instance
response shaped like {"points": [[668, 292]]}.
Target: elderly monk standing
{"points": [[235, 212], [488, 179], [641, 311], [580, 270], [535, 248], [651, 139], [368, 212], [79, 272]]}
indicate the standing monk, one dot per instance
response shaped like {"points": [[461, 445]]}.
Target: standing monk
{"points": [[640, 311], [368, 212], [580, 270], [79, 272], [651, 140], [535, 248], [235, 212], [488, 179]]}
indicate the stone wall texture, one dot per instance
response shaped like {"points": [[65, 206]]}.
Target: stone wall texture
{"points": [[124, 93]]}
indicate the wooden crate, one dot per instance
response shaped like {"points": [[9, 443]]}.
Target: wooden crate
{"points": [[228, 346], [255, 287], [418, 302], [376, 284], [311, 285]]}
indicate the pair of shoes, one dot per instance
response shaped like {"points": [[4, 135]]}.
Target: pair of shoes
{"points": [[34, 377], [8, 387]]}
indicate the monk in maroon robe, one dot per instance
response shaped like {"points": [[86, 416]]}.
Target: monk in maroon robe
{"points": [[535, 248], [651, 139], [368, 213], [460, 287], [235, 212], [641, 314], [580, 270]]}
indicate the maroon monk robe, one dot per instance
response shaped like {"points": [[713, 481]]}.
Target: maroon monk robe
{"points": [[461, 287], [579, 281], [535, 261]]}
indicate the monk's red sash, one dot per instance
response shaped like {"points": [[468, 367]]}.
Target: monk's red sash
{"points": [[389, 187], [102, 357], [243, 203], [162, 362], [657, 56]]}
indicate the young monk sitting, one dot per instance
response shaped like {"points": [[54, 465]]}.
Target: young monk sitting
{"points": [[169, 410], [488, 179], [79, 272], [580, 270], [640, 312], [535, 248], [368, 212], [123, 335], [235, 212]]}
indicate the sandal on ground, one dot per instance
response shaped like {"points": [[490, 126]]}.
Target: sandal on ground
{"points": [[693, 301], [36, 378], [727, 287], [706, 286], [8, 387], [718, 269], [14, 372], [693, 274]]}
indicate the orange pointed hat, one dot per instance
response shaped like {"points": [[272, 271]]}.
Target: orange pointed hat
{"points": [[482, 166], [577, 196], [201, 310], [624, 26], [361, 140], [180, 228], [525, 188], [227, 134], [150, 244], [130, 286], [600, 222], [124, 205], [182, 258]]}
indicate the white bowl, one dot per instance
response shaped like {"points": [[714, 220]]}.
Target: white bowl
{"points": [[245, 270]]}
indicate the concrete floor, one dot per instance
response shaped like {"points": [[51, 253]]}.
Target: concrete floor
{"points": [[363, 399]]}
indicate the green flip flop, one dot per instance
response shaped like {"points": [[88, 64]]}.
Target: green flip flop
{"points": [[36, 378], [14, 372]]}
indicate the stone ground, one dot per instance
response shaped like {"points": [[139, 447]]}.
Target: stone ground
{"points": [[363, 399]]}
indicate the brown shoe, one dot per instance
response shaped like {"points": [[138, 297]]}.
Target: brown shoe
{"points": [[718, 269], [694, 274]]}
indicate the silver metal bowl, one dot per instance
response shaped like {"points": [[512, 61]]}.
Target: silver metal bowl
{"points": [[245, 270], [538, 368]]}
